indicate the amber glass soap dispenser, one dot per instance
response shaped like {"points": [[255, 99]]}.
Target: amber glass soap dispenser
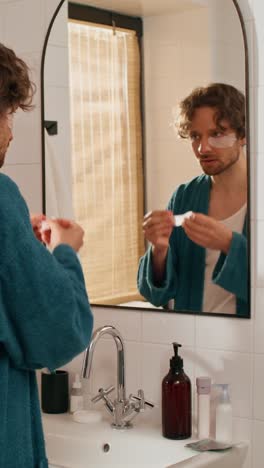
{"points": [[176, 400]]}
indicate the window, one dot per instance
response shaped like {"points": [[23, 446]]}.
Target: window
{"points": [[107, 157]]}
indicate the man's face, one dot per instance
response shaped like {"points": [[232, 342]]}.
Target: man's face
{"points": [[216, 147], [6, 135]]}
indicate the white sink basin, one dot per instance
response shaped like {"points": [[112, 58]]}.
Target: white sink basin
{"points": [[96, 445]]}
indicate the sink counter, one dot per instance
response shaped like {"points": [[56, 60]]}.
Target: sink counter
{"points": [[71, 444]]}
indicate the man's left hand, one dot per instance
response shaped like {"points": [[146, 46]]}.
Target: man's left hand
{"points": [[208, 232]]}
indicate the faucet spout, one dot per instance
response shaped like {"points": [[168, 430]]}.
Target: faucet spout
{"points": [[88, 358]]}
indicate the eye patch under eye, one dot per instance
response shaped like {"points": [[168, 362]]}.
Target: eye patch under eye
{"points": [[222, 141]]}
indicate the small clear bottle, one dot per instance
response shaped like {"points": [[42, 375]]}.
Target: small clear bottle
{"points": [[203, 385], [223, 428], [76, 396]]}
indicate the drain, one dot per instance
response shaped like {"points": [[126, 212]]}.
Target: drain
{"points": [[106, 448]]}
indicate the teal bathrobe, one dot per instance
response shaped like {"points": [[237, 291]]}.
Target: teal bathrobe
{"points": [[185, 265], [45, 320]]}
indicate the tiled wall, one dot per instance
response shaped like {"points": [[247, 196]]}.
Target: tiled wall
{"points": [[225, 348], [176, 60]]}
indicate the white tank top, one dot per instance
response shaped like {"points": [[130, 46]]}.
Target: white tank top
{"points": [[217, 299]]}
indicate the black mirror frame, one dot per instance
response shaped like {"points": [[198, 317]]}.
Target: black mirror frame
{"points": [[43, 166]]}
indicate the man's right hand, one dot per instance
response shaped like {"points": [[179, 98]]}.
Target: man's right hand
{"points": [[157, 228]]}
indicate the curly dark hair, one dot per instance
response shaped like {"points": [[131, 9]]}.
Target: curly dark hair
{"points": [[229, 104], [16, 88]]}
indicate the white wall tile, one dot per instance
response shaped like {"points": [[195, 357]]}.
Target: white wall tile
{"points": [[259, 322], [259, 186], [258, 59], [25, 150], [166, 327], [253, 229], [2, 23], [235, 369], [259, 279], [246, 8], [258, 8], [56, 75], [27, 20], [257, 444], [28, 179], [258, 406], [252, 188], [230, 334], [250, 39], [126, 321], [258, 134]]}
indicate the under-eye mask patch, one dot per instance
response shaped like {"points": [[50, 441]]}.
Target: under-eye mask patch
{"points": [[222, 141]]}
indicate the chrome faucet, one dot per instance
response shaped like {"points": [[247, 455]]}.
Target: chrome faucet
{"points": [[122, 409]]}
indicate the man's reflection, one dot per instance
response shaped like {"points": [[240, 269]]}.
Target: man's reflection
{"points": [[202, 264]]}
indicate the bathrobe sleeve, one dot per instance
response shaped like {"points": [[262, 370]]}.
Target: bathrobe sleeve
{"points": [[45, 316], [158, 295], [231, 271]]}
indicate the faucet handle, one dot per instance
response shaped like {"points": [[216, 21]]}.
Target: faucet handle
{"points": [[102, 393], [140, 399]]}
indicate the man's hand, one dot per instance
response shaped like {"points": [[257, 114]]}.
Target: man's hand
{"points": [[157, 228], [208, 232], [62, 231], [36, 222]]}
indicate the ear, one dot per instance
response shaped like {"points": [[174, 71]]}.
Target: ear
{"points": [[243, 141]]}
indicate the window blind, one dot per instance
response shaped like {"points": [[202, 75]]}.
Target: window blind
{"points": [[107, 157]]}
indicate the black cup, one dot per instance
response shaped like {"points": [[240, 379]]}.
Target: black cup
{"points": [[55, 392]]}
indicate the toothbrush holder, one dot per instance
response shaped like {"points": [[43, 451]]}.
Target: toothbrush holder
{"points": [[55, 392]]}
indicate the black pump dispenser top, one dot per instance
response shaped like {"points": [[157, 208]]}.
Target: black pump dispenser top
{"points": [[176, 362]]}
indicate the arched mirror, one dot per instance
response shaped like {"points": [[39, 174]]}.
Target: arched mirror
{"points": [[112, 77]]}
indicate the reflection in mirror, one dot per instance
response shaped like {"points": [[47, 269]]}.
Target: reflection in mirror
{"points": [[94, 164]]}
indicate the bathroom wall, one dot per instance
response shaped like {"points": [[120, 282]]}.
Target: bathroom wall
{"points": [[176, 60], [227, 349], [171, 56]]}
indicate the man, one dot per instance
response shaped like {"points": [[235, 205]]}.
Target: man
{"points": [[202, 265], [45, 317]]}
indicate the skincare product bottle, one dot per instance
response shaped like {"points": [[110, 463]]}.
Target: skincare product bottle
{"points": [[203, 385], [223, 428], [76, 396], [176, 400]]}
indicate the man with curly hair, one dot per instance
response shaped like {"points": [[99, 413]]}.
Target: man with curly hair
{"points": [[202, 266], [45, 316]]}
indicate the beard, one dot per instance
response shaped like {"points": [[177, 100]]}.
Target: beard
{"points": [[217, 166]]}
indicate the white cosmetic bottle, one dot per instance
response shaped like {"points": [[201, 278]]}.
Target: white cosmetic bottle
{"points": [[76, 396], [203, 385], [223, 428]]}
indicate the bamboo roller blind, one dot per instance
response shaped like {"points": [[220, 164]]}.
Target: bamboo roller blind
{"points": [[107, 157]]}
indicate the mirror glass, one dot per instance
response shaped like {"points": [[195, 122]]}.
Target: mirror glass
{"points": [[182, 44]]}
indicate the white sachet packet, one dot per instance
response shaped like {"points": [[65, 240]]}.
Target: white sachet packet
{"points": [[178, 219]]}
